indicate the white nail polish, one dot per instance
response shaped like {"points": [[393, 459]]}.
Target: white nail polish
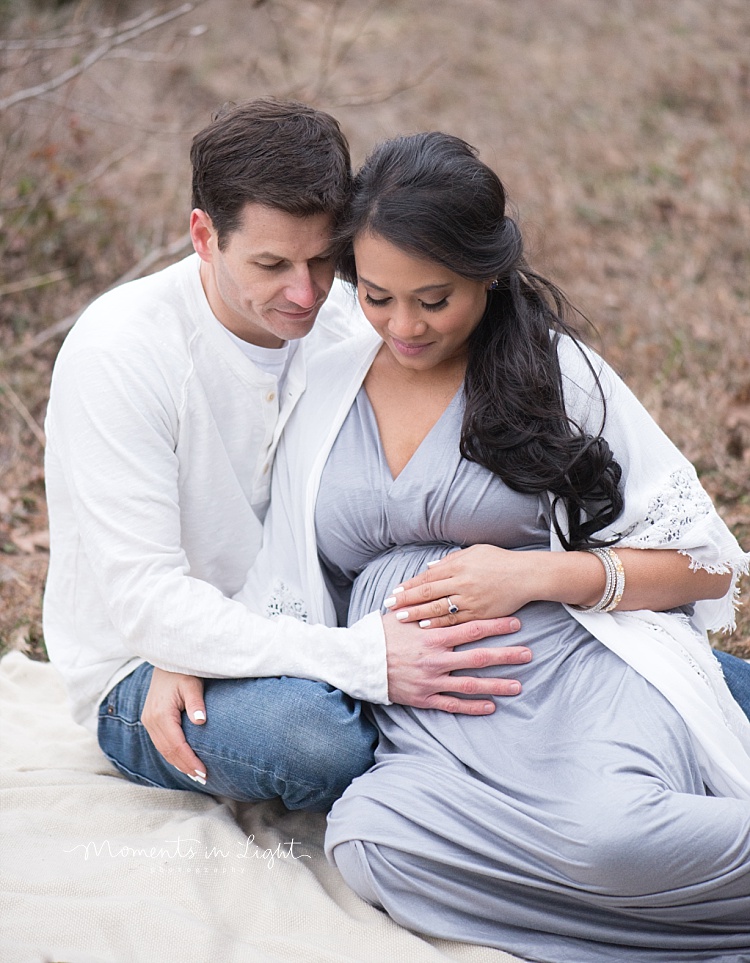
{"points": [[425, 624], [198, 715], [398, 589], [200, 773], [197, 779], [437, 561], [390, 602], [402, 615]]}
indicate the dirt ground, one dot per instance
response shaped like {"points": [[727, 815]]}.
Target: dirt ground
{"points": [[621, 127]]}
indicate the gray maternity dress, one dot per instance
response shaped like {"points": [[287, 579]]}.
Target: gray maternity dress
{"points": [[572, 825]]}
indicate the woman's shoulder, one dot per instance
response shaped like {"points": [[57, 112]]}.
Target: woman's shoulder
{"points": [[583, 370]]}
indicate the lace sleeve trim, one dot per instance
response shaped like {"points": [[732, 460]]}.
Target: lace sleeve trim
{"points": [[671, 514], [672, 511]]}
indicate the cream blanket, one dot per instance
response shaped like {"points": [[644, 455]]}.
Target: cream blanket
{"points": [[94, 869]]}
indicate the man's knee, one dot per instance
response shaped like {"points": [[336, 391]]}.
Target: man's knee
{"points": [[327, 741], [305, 740]]}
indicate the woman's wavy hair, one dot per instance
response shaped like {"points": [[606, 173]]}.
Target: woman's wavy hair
{"points": [[430, 195]]}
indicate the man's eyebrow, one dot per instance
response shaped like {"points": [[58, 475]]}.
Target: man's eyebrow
{"points": [[422, 290], [270, 256]]}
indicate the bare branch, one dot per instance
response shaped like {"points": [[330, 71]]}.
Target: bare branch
{"points": [[62, 327], [122, 37], [326, 50], [129, 121], [355, 33], [282, 47], [378, 97], [75, 40], [6, 391], [15, 287]]}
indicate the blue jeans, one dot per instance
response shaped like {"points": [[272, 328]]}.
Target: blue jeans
{"points": [[295, 739], [737, 676]]}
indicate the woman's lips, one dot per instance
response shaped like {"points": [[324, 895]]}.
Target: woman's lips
{"points": [[409, 349]]}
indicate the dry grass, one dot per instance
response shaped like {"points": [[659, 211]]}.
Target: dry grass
{"points": [[621, 127]]}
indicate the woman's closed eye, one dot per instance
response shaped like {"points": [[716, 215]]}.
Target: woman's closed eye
{"points": [[435, 306], [376, 302], [381, 303]]}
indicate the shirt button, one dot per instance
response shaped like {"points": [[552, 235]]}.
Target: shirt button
{"points": [[271, 396]]}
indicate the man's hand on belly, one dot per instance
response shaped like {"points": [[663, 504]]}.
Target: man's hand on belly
{"points": [[420, 663]]}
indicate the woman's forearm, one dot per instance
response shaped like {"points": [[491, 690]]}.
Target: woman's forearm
{"points": [[484, 581], [656, 579]]}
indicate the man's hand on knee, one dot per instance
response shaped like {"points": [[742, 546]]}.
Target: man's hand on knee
{"points": [[169, 694], [420, 663]]}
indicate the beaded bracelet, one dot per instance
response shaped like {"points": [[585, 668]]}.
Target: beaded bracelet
{"points": [[614, 586]]}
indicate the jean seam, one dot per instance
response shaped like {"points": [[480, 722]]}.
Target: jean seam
{"points": [[251, 767]]}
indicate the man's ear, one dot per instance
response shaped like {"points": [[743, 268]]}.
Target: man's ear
{"points": [[202, 234]]}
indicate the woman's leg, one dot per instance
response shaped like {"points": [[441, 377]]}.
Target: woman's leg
{"points": [[654, 876], [737, 675], [298, 740]]}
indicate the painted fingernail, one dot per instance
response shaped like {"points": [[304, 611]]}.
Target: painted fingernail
{"points": [[402, 615], [390, 602], [199, 716], [199, 772], [398, 590], [197, 779], [436, 561], [515, 625], [514, 688], [425, 624]]}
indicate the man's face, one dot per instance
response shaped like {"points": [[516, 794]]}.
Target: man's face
{"points": [[273, 275]]}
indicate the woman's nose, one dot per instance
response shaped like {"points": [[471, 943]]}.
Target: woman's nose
{"points": [[406, 323]]}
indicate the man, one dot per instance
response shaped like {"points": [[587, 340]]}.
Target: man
{"points": [[166, 405]]}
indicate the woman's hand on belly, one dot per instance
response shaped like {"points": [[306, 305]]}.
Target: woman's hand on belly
{"points": [[486, 582], [479, 582]]}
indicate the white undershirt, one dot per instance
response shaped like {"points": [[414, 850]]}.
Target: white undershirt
{"points": [[274, 361]]}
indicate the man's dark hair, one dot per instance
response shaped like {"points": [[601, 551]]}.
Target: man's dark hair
{"points": [[283, 154]]}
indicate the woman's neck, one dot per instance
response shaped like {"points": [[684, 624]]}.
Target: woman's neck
{"points": [[407, 403]]}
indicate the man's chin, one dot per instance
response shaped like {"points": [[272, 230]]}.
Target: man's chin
{"points": [[290, 327]]}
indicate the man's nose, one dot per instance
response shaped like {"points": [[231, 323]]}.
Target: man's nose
{"points": [[302, 290]]}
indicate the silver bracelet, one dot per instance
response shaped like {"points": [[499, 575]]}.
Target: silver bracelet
{"points": [[619, 588], [614, 586]]}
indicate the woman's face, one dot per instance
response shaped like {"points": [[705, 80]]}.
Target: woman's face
{"points": [[422, 311]]}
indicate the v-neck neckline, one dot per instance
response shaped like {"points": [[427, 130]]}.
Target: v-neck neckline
{"points": [[420, 446]]}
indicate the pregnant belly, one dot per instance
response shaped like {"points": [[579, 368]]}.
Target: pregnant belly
{"points": [[384, 572], [552, 634]]}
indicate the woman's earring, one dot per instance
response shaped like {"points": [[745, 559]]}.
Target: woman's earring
{"points": [[494, 285]]}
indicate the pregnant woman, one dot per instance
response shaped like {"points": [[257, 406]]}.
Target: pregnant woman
{"points": [[603, 813]]}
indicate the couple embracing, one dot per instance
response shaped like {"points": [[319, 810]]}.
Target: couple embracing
{"points": [[472, 622]]}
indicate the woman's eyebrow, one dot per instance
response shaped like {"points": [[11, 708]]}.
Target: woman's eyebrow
{"points": [[422, 290]]}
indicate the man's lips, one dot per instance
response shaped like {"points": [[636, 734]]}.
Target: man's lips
{"points": [[299, 315]]}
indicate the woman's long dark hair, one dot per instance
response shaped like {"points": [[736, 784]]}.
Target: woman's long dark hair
{"points": [[431, 196]]}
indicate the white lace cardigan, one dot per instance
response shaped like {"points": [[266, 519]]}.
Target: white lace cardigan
{"points": [[665, 507]]}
